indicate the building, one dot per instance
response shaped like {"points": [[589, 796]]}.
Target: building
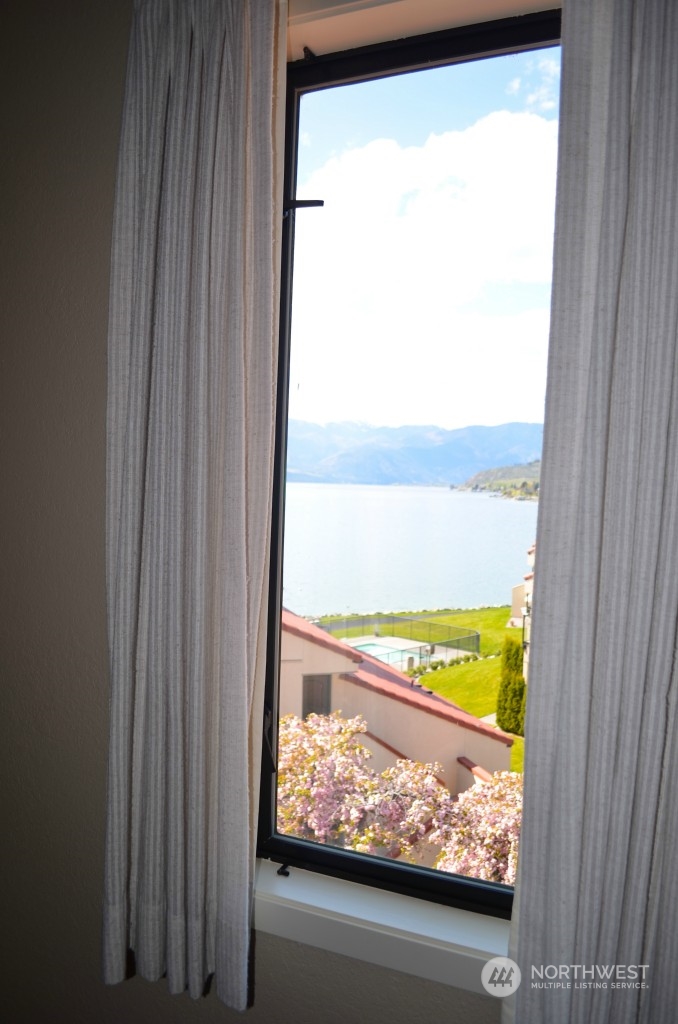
{"points": [[521, 608], [320, 674]]}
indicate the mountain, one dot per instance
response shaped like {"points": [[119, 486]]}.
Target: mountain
{"points": [[512, 481], [359, 454]]}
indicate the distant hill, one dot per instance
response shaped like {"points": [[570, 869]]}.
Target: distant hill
{"points": [[357, 453], [513, 481]]}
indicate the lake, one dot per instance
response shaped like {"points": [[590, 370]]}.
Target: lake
{"points": [[361, 548]]}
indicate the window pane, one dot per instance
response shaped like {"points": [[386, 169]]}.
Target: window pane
{"points": [[418, 359]]}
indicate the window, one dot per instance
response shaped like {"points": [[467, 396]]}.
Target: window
{"points": [[348, 644], [316, 696]]}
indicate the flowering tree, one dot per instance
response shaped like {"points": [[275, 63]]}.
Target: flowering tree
{"points": [[480, 833], [323, 778], [328, 793]]}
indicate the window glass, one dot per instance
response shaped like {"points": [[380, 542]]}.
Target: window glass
{"points": [[417, 363]]}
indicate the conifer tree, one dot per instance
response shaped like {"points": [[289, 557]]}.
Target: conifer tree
{"points": [[510, 715]]}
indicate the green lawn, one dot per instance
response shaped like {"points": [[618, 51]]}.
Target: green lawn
{"points": [[517, 753], [472, 686]]}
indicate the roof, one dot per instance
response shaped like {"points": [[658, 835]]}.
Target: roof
{"points": [[297, 626], [390, 682], [376, 676]]}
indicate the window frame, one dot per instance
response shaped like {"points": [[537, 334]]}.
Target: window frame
{"points": [[457, 45]]}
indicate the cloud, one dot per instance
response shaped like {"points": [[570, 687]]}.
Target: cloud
{"points": [[540, 85], [400, 281]]}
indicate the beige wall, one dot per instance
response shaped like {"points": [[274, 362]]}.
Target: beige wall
{"points": [[300, 658], [62, 70], [422, 737]]}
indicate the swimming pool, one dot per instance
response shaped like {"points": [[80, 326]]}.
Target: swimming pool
{"points": [[378, 650]]}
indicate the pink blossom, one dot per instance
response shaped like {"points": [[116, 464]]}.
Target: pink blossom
{"points": [[328, 793]]}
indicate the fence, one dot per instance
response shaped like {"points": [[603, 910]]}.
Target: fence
{"points": [[426, 632]]}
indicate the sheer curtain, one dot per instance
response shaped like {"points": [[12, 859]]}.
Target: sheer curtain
{"points": [[598, 883], [192, 366]]}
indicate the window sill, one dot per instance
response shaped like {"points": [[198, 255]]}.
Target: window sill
{"points": [[406, 934]]}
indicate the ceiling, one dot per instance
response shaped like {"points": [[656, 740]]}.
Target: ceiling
{"points": [[325, 26]]}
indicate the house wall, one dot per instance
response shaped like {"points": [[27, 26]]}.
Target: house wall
{"points": [[62, 66], [298, 658], [421, 736]]}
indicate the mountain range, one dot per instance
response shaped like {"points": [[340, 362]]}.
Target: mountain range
{"points": [[360, 454]]}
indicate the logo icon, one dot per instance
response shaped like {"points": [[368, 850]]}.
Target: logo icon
{"points": [[500, 976]]}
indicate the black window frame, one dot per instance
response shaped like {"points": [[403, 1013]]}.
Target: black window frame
{"points": [[457, 45]]}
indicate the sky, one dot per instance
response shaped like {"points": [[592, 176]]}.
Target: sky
{"points": [[422, 287]]}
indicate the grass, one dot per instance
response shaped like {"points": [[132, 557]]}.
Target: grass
{"points": [[472, 686], [517, 754]]}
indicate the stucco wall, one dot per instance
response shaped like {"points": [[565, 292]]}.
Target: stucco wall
{"points": [[298, 658], [421, 736], [62, 68]]}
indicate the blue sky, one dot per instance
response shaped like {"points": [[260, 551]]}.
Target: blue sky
{"points": [[421, 290]]}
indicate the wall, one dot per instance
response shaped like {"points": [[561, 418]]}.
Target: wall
{"points": [[422, 736], [62, 67], [299, 658]]}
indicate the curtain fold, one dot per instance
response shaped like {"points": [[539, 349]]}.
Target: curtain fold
{"points": [[192, 370], [597, 875]]}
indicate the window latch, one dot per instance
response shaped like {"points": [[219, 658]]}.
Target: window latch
{"points": [[268, 725], [300, 204]]}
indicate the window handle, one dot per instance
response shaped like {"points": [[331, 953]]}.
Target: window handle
{"points": [[300, 204], [268, 725]]}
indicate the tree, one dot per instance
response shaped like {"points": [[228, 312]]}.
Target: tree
{"points": [[480, 831], [328, 793], [510, 705]]}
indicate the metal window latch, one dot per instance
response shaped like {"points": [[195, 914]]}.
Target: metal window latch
{"points": [[300, 204], [268, 725]]}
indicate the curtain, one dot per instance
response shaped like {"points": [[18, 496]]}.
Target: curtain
{"points": [[598, 884], [192, 369]]}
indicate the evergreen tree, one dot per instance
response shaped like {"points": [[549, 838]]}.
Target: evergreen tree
{"points": [[510, 703]]}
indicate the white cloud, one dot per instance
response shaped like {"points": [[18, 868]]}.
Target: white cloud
{"points": [[396, 318], [544, 86]]}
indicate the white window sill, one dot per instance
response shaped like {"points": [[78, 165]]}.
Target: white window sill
{"points": [[406, 934]]}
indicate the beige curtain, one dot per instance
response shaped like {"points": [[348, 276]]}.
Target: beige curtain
{"points": [[598, 879], [192, 369]]}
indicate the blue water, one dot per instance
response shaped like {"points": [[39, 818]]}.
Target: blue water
{"points": [[361, 548], [377, 650]]}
